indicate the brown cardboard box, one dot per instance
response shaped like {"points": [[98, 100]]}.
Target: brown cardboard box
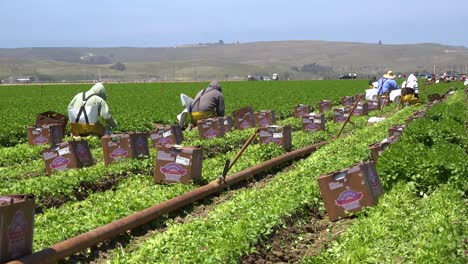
{"points": [[396, 130], [211, 128], [324, 105], [51, 117], [313, 122], [434, 97], [244, 118], [165, 134], [280, 135], [361, 109], [377, 148], [340, 114], [16, 226], [228, 124], [373, 105], [265, 118], [116, 147], [67, 155], [416, 114], [139, 144], [300, 110], [177, 164], [347, 100], [350, 190], [47, 134]]}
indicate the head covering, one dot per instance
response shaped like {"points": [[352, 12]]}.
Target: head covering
{"points": [[389, 75], [99, 90], [215, 84]]}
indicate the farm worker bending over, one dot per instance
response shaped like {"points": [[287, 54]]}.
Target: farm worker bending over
{"points": [[209, 102], [84, 110], [387, 83], [411, 85]]}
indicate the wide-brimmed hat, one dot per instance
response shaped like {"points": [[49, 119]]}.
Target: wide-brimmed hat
{"points": [[389, 75]]}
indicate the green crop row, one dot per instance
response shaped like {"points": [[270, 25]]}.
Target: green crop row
{"points": [[232, 228], [423, 218]]}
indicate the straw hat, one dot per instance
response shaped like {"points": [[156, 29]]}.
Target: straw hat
{"points": [[389, 75]]}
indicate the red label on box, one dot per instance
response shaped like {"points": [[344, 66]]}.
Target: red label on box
{"points": [[59, 163], [245, 124], [119, 153], [163, 141], [349, 200], [40, 140], [211, 133], [173, 169]]}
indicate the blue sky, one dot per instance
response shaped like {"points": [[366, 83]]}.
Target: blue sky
{"points": [[145, 23]]}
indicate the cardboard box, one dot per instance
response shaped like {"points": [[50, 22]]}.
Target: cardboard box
{"points": [[265, 118], [16, 226], [211, 128], [361, 109], [166, 134], [350, 190], [118, 147], [396, 130], [347, 100], [67, 155], [377, 148], [177, 164], [300, 110], [228, 124], [51, 117], [373, 105], [341, 114], [139, 144], [280, 135], [244, 118], [47, 134], [324, 105], [416, 114], [434, 97], [313, 122]]}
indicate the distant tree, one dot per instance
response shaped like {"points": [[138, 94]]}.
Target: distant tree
{"points": [[221, 42], [118, 66], [286, 76], [226, 76], [380, 42]]}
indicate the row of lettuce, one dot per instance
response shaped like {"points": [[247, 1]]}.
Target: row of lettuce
{"points": [[137, 107], [233, 228], [423, 218]]}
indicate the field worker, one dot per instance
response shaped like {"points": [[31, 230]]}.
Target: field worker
{"points": [[387, 83], [84, 110], [373, 82], [410, 86], [209, 102]]}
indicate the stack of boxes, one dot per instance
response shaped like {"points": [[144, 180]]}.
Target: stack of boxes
{"points": [[341, 114]]}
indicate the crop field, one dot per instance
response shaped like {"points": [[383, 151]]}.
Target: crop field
{"points": [[275, 216]]}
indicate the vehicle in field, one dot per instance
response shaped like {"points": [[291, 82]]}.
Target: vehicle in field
{"points": [[266, 78], [275, 77], [348, 76]]}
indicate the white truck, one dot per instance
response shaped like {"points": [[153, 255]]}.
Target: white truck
{"points": [[275, 77]]}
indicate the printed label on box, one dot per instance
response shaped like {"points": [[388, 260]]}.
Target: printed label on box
{"points": [[163, 155], [119, 153], [49, 155], [335, 185], [16, 234], [277, 135], [167, 133], [163, 141], [211, 133], [173, 170], [59, 163], [274, 140], [63, 151], [245, 124], [40, 140], [349, 200], [182, 160]]}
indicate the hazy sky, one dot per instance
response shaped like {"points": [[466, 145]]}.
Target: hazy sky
{"points": [[145, 23]]}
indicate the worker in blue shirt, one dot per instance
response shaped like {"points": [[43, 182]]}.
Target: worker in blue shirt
{"points": [[387, 83]]}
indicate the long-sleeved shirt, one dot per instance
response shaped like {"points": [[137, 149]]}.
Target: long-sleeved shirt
{"points": [[209, 100], [386, 85], [96, 96]]}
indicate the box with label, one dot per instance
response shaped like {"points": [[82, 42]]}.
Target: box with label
{"points": [[341, 114], [177, 164], [300, 110], [116, 147], [265, 118], [67, 155], [313, 122], [244, 118], [45, 135], [280, 135], [211, 128], [350, 190], [166, 134], [16, 226], [324, 105], [377, 148], [373, 105], [228, 124], [361, 109], [51, 117], [347, 101], [396, 130]]}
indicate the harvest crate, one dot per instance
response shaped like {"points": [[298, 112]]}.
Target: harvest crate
{"points": [[244, 118], [166, 134], [265, 118], [280, 135], [301, 109], [67, 155], [176, 164], [51, 117], [313, 122], [211, 128]]}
